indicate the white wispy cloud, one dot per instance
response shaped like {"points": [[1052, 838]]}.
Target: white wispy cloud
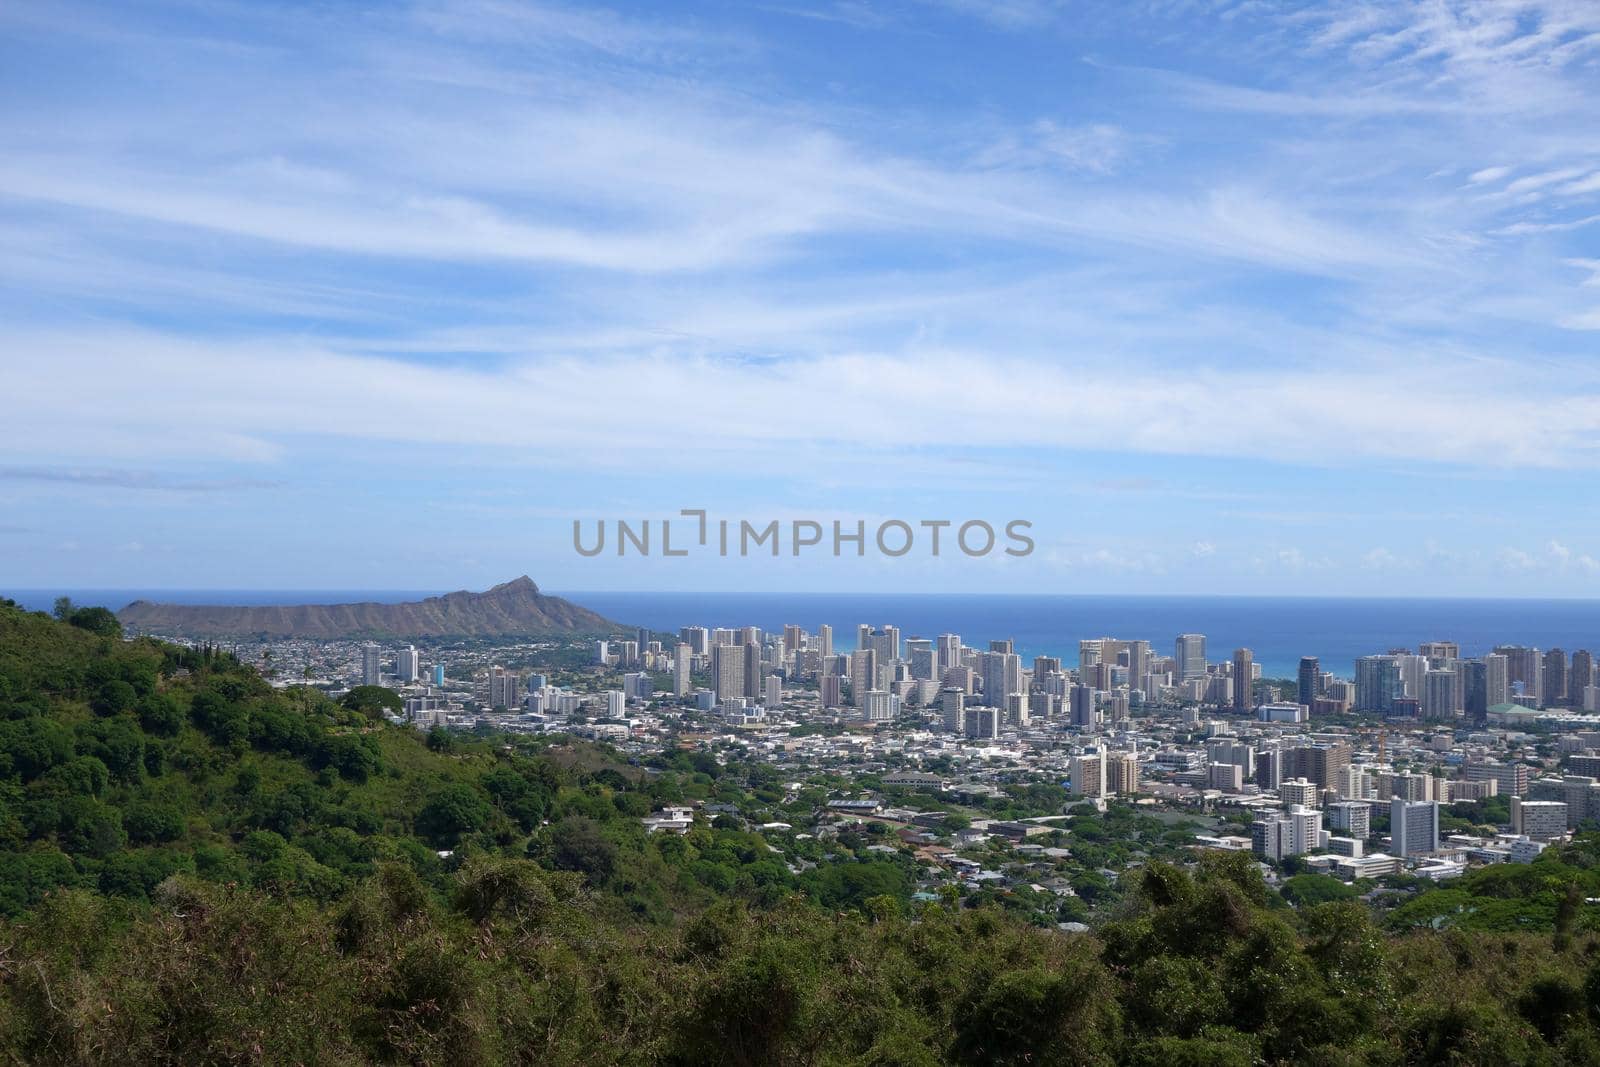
{"points": [[578, 237], [252, 400]]}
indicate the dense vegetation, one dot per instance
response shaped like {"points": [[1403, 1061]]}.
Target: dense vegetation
{"points": [[196, 868]]}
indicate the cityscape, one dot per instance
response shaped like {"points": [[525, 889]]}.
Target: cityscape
{"points": [[1351, 774], [1060, 529]]}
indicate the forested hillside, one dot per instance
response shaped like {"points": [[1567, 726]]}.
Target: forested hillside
{"points": [[197, 868]]}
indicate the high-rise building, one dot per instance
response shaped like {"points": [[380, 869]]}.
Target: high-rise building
{"points": [[1279, 835], [774, 693], [1299, 791], [1510, 779], [1323, 764], [682, 668], [637, 686], [1310, 680], [923, 658], [1378, 684], [1082, 707], [1231, 750], [727, 671], [949, 652], [1413, 827], [1088, 773], [1269, 768], [505, 688], [1001, 676], [1243, 676], [1413, 672], [1524, 671], [1474, 689], [863, 674], [1541, 820], [1497, 679], [438, 675], [1354, 817], [830, 690], [698, 638], [877, 706], [1441, 695], [407, 664], [1555, 678], [371, 665], [1190, 652], [752, 670], [1353, 783], [1580, 676], [981, 722], [885, 642], [1439, 654], [953, 706], [825, 640], [1089, 653], [1122, 773]]}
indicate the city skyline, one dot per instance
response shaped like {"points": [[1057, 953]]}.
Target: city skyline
{"points": [[1296, 300], [860, 531]]}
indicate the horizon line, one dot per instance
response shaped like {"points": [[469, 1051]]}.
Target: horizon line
{"points": [[62, 590]]}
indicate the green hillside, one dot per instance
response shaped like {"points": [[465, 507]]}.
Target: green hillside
{"points": [[197, 868]]}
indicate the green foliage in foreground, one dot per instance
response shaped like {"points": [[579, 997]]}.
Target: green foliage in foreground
{"points": [[195, 868], [521, 964]]}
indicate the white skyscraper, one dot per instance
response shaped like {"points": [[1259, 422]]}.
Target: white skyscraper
{"points": [[949, 652], [407, 664], [727, 671], [371, 665], [877, 706], [1413, 827], [1354, 817], [1292, 833], [682, 668]]}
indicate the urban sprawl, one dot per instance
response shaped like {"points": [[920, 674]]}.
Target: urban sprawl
{"points": [[921, 736]]}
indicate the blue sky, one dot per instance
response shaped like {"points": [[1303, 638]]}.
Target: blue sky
{"points": [[1223, 297]]}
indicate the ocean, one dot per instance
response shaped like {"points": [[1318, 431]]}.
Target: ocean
{"points": [[1279, 630]]}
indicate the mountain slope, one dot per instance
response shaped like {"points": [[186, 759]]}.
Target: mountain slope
{"points": [[512, 609]]}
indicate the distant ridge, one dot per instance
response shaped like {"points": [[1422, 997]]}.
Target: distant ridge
{"points": [[511, 609]]}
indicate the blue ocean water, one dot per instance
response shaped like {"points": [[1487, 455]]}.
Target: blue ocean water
{"points": [[1279, 630]]}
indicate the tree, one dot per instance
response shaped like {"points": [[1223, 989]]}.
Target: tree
{"points": [[578, 844], [371, 700], [1063, 1015], [451, 811], [97, 621], [1304, 890]]}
